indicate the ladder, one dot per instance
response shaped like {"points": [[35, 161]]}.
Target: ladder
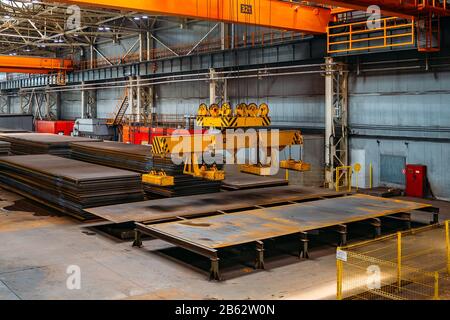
{"points": [[120, 111]]}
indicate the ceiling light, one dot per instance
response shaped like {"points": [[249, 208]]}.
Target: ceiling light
{"points": [[144, 17], [137, 18]]}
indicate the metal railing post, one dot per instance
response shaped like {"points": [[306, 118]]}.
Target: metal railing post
{"points": [[447, 239], [339, 267], [436, 286], [399, 260]]}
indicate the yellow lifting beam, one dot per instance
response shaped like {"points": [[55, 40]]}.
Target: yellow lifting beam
{"points": [[158, 179], [194, 145]]}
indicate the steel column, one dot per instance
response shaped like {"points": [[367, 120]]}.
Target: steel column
{"points": [[4, 103], [218, 92], [336, 119]]}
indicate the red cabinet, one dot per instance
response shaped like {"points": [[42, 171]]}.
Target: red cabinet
{"points": [[416, 178], [56, 127]]}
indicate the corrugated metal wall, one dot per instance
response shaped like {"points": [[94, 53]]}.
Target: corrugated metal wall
{"points": [[404, 115], [293, 100]]}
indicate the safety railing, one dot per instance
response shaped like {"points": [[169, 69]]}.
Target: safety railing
{"points": [[410, 265], [155, 120], [243, 40], [378, 34]]}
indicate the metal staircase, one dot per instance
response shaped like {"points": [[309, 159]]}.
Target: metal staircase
{"points": [[120, 111]]}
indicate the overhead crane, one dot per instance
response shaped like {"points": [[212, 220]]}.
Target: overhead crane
{"points": [[36, 65], [307, 17], [266, 13]]}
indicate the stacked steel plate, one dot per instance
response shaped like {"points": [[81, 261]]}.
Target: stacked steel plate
{"points": [[69, 185], [5, 148], [40, 143], [132, 157], [6, 130], [139, 158], [185, 185]]}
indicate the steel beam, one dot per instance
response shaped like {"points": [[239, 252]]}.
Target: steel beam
{"points": [[17, 64], [265, 13], [284, 53]]}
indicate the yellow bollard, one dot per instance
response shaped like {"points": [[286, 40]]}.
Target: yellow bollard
{"points": [[339, 266], [447, 238], [436, 286], [399, 260], [287, 175]]}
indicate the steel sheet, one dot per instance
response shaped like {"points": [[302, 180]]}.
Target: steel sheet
{"points": [[155, 210], [40, 143], [227, 230]]}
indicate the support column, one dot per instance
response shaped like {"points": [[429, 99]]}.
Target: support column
{"points": [[150, 46], [142, 47], [92, 57], [91, 107], [336, 119], [225, 36], [84, 101], [212, 86], [26, 101], [5, 103], [52, 106], [146, 102], [137, 239], [23, 102], [151, 100], [133, 98], [218, 89]]}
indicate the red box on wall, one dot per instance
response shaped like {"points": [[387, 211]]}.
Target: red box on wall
{"points": [[56, 127], [416, 178]]}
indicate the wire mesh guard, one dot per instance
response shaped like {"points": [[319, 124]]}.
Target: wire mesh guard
{"points": [[411, 265]]}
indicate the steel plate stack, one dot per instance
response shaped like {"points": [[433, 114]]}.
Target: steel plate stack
{"points": [[6, 130], [185, 185], [132, 157], [139, 158], [5, 148], [69, 185], [40, 143]]}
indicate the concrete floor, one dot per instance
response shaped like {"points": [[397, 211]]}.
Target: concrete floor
{"points": [[39, 246]]}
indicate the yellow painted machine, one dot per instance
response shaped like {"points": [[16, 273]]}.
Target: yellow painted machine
{"points": [[159, 178], [244, 116], [224, 117]]}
